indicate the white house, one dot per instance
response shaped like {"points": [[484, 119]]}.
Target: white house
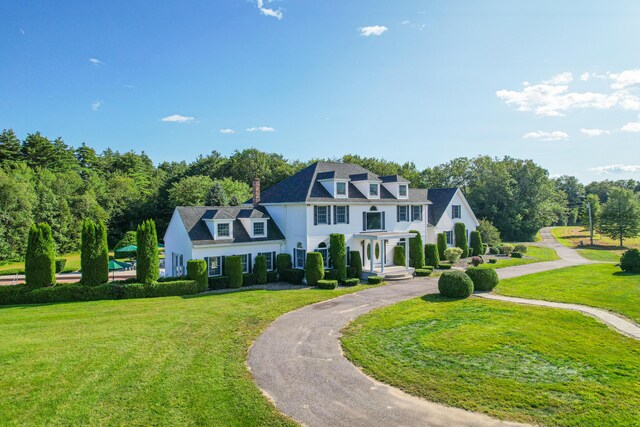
{"points": [[297, 215]]}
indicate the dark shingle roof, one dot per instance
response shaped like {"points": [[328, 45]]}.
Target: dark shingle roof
{"points": [[440, 198], [393, 178], [304, 186], [193, 219]]}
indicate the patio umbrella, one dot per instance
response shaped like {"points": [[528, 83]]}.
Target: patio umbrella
{"points": [[130, 249], [117, 265]]}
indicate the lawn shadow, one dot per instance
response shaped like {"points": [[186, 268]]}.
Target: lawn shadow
{"points": [[625, 273], [437, 298]]}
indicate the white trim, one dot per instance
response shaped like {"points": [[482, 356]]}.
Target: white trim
{"points": [[264, 224], [224, 245]]}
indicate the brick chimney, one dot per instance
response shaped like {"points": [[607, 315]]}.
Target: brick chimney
{"points": [[256, 191]]}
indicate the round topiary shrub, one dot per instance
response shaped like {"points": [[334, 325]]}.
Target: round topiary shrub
{"points": [[493, 261], [477, 260], [484, 279], [520, 248], [374, 280], [506, 249], [630, 261], [327, 284], [516, 255], [494, 250], [455, 284], [453, 254], [314, 268], [423, 272]]}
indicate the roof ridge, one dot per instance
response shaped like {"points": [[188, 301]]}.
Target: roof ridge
{"points": [[313, 180]]}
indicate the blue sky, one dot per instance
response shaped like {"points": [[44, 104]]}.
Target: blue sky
{"points": [[425, 81]]}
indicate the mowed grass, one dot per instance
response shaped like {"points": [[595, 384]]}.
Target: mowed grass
{"points": [[604, 249], [160, 361], [521, 363], [73, 264], [534, 254], [597, 285]]}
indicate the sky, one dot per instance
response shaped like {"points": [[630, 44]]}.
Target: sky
{"points": [[423, 81]]}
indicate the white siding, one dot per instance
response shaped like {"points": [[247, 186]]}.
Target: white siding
{"points": [[176, 240], [200, 252], [291, 219], [446, 222]]}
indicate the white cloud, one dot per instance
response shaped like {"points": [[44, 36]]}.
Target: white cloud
{"points": [[374, 30], [625, 79], [22, 31], [261, 129], [227, 131], [585, 76], [594, 132], [631, 127], [560, 79], [614, 169], [405, 22], [96, 105], [177, 118], [556, 135], [269, 12], [96, 62]]}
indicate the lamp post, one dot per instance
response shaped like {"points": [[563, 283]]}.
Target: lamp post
{"points": [[590, 223]]}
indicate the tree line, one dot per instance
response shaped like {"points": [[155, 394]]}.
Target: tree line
{"points": [[46, 180]]}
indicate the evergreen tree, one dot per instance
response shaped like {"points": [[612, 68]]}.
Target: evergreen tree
{"points": [[442, 245], [338, 255], [94, 255], [217, 196], [460, 233], [147, 269], [620, 217], [416, 251], [9, 147], [40, 259]]}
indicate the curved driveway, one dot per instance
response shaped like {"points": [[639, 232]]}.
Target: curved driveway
{"points": [[298, 361]]}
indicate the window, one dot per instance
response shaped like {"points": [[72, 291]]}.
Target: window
{"points": [[322, 215], [245, 263], [258, 228], [374, 220], [373, 190], [449, 237], [223, 230], [341, 214], [402, 242], [403, 213], [178, 266], [341, 188], [416, 213], [402, 190], [214, 265], [269, 257], [456, 211], [299, 256], [324, 250]]}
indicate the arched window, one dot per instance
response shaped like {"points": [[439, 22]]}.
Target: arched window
{"points": [[298, 256], [324, 250], [373, 209]]}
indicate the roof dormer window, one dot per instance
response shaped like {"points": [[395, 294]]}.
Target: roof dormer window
{"points": [[402, 190], [223, 229], [258, 229], [374, 190], [341, 189]]}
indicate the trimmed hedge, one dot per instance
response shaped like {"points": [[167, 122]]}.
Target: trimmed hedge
{"points": [[94, 254], [295, 276], [272, 276], [330, 275], [356, 262], [219, 282], [283, 263], [134, 290], [60, 264], [444, 266], [147, 261], [442, 244], [374, 280], [338, 254], [477, 248], [260, 269], [423, 272], [516, 255], [484, 279], [197, 271], [520, 248], [314, 268], [493, 261], [39, 263], [233, 269], [248, 279], [352, 282], [327, 284], [460, 234], [416, 250], [431, 255], [352, 272], [428, 267], [170, 289], [398, 256], [630, 261], [455, 284]]}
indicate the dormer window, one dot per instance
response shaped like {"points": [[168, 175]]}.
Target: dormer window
{"points": [[341, 188], [402, 190], [456, 211], [223, 230], [374, 190], [258, 229]]}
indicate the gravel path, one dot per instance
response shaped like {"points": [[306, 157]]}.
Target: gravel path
{"points": [[298, 361]]}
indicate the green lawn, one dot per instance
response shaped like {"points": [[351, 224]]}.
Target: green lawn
{"points": [[604, 248], [522, 363], [597, 285], [534, 254], [160, 361], [73, 264]]}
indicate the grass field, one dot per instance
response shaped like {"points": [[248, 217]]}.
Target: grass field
{"points": [[534, 254], [161, 361], [522, 363], [604, 249], [597, 285], [73, 264]]}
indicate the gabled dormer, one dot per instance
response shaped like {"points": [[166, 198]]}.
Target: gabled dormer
{"points": [[396, 185], [221, 229], [368, 184], [337, 186]]}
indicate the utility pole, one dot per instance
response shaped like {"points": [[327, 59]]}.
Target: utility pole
{"points": [[590, 223]]}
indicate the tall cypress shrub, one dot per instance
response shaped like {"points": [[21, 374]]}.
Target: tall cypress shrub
{"points": [[356, 262], [197, 271], [416, 250], [148, 267], [476, 243], [431, 255], [40, 259], [460, 232], [94, 254], [233, 269], [442, 245], [338, 253], [260, 269], [314, 268]]}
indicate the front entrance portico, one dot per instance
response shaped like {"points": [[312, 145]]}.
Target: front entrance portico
{"points": [[382, 237]]}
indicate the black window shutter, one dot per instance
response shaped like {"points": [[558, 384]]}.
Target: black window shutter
{"points": [[347, 214], [273, 260], [364, 221], [398, 213], [222, 260], [383, 227], [328, 210], [249, 263], [293, 263], [335, 214], [315, 215]]}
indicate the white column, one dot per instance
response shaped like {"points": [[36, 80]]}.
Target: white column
{"points": [[383, 256], [406, 253], [371, 254]]}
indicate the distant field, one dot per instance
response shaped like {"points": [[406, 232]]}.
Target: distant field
{"points": [[534, 254], [604, 249], [73, 264]]}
